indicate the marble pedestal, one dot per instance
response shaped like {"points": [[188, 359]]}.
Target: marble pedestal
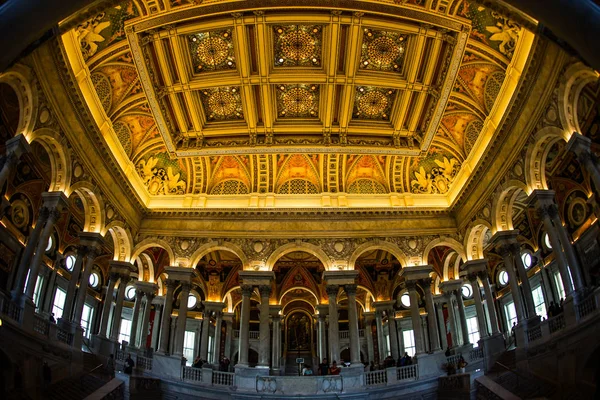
{"points": [[104, 346], [493, 347], [354, 378], [430, 365], [245, 377], [167, 366]]}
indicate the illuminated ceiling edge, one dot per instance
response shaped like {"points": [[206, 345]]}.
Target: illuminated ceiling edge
{"points": [[82, 75]]}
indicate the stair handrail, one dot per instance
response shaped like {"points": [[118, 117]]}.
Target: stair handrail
{"points": [[86, 342], [519, 375]]}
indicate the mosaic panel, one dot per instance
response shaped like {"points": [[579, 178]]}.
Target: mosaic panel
{"points": [[298, 101], [373, 103], [382, 51], [222, 104], [298, 45], [212, 51]]}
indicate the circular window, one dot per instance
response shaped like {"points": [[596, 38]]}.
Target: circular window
{"points": [[467, 291], [405, 300], [192, 301], [50, 243], [547, 241], [527, 260], [70, 262], [503, 278], [94, 279], [130, 292]]}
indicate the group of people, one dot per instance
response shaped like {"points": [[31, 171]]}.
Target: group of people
{"points": [[555, 309], [109, 367], [223, 364], [326, 369], [460, 366]]}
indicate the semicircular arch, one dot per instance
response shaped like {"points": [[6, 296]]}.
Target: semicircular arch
{"points": [[60, 160], [154, 242], [216, 246], [122, 240], [20, 77], [378, 245], [535, 160], [298, 246], [444, 241]]}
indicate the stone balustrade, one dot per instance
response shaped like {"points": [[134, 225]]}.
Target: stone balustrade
{"points": [[192, 374], [220, 378], [143, 363], [374, 378], [296, 385], [556, 323], [407, 373], [534, 333], [586, 307], [476, 354], [346, 334], [41, 325]]}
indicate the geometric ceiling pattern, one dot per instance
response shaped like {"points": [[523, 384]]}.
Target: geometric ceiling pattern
{"points": [[209, 101]]}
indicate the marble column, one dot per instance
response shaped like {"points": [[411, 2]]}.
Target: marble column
{"points": [[452, 319], [32, 242], [83, 285], [116, 326], [264, 346], [146, 320], [567, 247], [108, 298], [15, 148], [139, 295], [181, 318], [442, 324], [276, 351], [506, 253], [217, 341], [244, 339], [489, 299], [462, 316], [353, 326], [205, 333], [544, 212], [228, 319], [321, 342], [380, 335], [165, 322], [415, 316], [334, 335], [53, 216], [478, 305], [369, 335], [393, 329], [515, 249], [72, 288], [431, 320]]}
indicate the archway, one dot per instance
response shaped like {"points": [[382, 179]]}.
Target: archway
{"points": [[217, 268]]}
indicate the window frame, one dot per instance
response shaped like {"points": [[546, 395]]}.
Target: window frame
{"points": [[408, 336], [55, 306]]}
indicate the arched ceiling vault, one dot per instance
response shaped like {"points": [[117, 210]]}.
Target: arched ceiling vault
{"points": [[371, 104]]}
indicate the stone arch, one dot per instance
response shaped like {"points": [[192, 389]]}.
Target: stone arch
{"points": [[535, 160], [144, 259], [153, 242], [214, 246], [378, 245], [298, 246], [228, 300], [20, 78], [576, 77], [444, 241], [60, 159], [93, 206], [502, 206], [283, 309], [122, 240], [474, 238], [301, 288]]}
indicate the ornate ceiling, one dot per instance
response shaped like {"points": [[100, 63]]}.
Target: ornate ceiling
{"points": [[217, 104]]}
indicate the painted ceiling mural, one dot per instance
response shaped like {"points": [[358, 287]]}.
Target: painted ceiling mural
{"points": [[197, 115]]}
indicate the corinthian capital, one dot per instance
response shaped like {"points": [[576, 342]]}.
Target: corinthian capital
{"points": [[246, 290], [265, 290], [332, 290], [350, 290]]}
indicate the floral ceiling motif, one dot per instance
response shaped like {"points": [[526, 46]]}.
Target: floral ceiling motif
{"points": [[309, 105]]}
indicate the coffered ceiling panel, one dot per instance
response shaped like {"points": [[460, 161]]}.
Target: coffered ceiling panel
{"points": [[373, 98]]}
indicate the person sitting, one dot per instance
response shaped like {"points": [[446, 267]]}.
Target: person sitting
{"points": [[51, 318], [307, 371], [461, 365], [324, 367], [334, 370], [129, 364], [198, 362], [448, 353]]}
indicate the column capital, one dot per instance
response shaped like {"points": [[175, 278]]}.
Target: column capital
{"points": [[146, 287], [246, 290], [275, 310], [55, 201], [448, 287], [502, 239], [540, 198], [580, 145], [121, 268], [17, 146], [475, 266], [181, 274], [350, 289], [426, 283], [369, 316], [332, 290], [256, 278], [186, 287], [265, 290], [213, 306]]}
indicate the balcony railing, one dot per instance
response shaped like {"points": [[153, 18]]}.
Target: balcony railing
{"points": [[192, 374], [407, 373], [222, 378], [374, 378], [346, 334], [41, 325], [64, 336], [10, 309], [534, 333], [144, 363], [476, 354], [586, 307], [253, 334], [453, 359], [556, 323]]}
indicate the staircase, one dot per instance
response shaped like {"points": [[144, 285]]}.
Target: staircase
{"points": [[79, 387]]}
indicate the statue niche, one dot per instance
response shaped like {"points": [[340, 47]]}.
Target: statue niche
{"points": [[298, 330]]}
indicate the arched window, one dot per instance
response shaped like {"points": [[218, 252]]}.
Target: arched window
{"points": [[70, 262], [527, 259], [192, 301], [503, 277], [547, 241], [50, 244], [94, 280], [405, 300], [467, 290], [130, 292]]}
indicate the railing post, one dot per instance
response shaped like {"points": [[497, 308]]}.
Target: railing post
{"points": [[207, 375], [392, 375]]}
